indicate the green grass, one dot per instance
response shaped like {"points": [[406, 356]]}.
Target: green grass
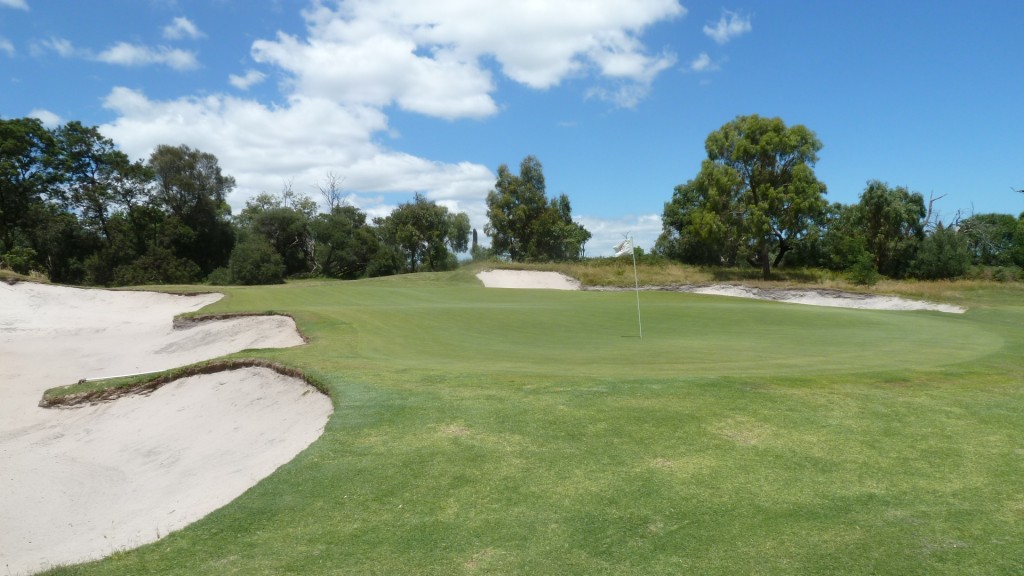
{"points": [[532, 432]]}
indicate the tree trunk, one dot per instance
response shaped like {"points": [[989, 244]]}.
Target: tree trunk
{"points": [[766, 263], [783, 248]]}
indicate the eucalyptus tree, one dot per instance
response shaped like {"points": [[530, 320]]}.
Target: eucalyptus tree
{"points": [[993, 239], [426, 234], [27, 154], [892, 223], [190, 187], [344, 243], [98, 179], [755, 196], [524, 224], [285, 222]]}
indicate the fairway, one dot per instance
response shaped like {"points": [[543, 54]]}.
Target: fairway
{"points": [[495, 431]]}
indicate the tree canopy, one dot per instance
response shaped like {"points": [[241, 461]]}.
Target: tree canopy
{"points": [[524, 225], [755, 196], [426, 234], [190, 187], [891, 220]]}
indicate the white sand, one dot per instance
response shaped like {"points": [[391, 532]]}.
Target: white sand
{"points": [[833, 298], [78, 484], [527, 279]]}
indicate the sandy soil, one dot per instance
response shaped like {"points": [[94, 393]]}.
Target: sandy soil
{"points": [[527, 279], [833, 298], [78, 484]]}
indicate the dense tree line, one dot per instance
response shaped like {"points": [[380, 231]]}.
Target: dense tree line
{"points": [[756, 200], [76, 209]]}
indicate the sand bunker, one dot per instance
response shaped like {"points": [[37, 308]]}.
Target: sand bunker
{"points": [[527, 279], [832, 298], [81, 483]]}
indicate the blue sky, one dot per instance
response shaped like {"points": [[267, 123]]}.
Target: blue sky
{"points": [[615, 97]]}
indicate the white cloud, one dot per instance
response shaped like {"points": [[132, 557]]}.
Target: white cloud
{"points": [[729, 26], [251, 78], [381, 70], [49, 119], [182, 27], [6, 47], [16, 4], [357, 58], [125, 54], [703, 63], [429, 57], [303, 141], [606, 233]]}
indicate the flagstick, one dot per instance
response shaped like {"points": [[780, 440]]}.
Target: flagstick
{"points": [[636, 282]]}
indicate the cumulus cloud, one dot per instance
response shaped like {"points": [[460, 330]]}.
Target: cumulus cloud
{"points": [[182, 27], [125, 54], [251, 78], [358, 58], [16, 4], [729, 26], [380, 70], [429, 57], [49, 119], [6, 46], [303, 141]]}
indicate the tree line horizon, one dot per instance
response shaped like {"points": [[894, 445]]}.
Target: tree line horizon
{"points": [[76, 209]]}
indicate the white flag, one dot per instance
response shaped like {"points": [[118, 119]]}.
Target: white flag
{"points": [[624, 247]]}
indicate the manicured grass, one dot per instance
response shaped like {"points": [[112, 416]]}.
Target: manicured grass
{"points": [[532, 432]]}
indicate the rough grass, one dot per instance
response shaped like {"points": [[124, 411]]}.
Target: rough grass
{"points": [[531, 432]]}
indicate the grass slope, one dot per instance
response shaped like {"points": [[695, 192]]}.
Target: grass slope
{"points": [[531, 432]]}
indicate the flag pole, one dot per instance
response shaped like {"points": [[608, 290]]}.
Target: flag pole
{"points": [[636, 283]]}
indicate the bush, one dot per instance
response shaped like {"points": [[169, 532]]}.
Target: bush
{"points": [[219, 277], [157, 266], [385, 262], [19, 259], [1007, 274], [942, 255], [255, 261], [863, 270]]}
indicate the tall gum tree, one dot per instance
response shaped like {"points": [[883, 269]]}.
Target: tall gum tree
{"points": [[190, 187], [757, 185], [26, 167], [524, 224]]}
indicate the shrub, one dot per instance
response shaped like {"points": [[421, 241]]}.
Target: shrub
{"points": [[157, 266], [219, 277], [19, 259], [942, 255], [1007, 274], [254, 261], [863, 270]]}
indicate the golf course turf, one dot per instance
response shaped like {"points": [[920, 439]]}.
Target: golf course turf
{"points": [[496, 431]]}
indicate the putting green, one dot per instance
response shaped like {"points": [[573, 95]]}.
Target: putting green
{"points": [[449, 325]]}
